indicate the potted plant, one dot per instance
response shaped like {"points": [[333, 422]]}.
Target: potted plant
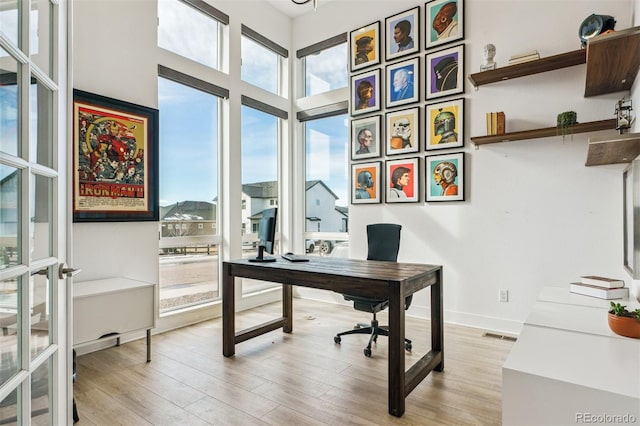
{"points": [[624, 322], [566, 120]]}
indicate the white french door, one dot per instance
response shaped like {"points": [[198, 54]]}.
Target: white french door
{"points": [[35, 376]]}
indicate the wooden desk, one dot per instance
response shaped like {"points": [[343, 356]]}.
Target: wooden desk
{"points": [[386, 280]]}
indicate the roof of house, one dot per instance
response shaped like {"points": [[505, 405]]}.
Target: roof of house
{"points": [[189, 210]]}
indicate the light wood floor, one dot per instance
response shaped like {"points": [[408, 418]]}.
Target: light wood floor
{"points": [[302, 378]]}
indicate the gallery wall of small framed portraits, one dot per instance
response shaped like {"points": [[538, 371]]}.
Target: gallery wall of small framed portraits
{"points": [[445, 177], [365, 137], [402, 131], [403, 180], [364, 46], [444, 124], [385, 62], [402, 34], [365, 92], [365, 183], [403, 83]]}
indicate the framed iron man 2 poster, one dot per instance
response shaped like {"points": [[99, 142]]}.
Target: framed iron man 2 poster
{"points": [[115, 160]]}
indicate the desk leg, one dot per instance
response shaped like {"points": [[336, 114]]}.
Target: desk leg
{"points": [[228, 312], [396, 361], [149, 345], [287, 307], [437, 320]]}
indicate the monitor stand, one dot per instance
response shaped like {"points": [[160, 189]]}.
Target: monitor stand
{"points": [[260, 257]]}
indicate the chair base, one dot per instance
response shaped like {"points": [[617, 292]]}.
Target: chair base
{"points": [[374, 330]]}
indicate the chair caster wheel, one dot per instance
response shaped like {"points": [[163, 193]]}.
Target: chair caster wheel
{"points": [[337, 339], [367, 352], [408, 346]]}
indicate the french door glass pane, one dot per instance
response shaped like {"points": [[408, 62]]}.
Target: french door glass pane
{"points": [[9, 20], [259, 181], [187, 32], [40, 125], [9, 409], [259, 65], [9, 114], [41, 35], [9, 329], [189, 195], [326, 70], [40, 229], [40, 310], [40, 395], [10, 208]]}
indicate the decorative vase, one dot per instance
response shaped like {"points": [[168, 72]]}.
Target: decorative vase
{"points": [[624, 326]]}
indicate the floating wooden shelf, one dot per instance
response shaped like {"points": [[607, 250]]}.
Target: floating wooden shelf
{"points": [[550, 63], [592, 126], [613, 60], [620, 149]]}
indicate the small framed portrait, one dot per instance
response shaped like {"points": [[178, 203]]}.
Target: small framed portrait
{"points": [[403, 34], [445, 177], [444, 124], [403, 131], [365, 183], [403, 178], [365, 92], [444, 72], [444, 22], [365, 137], [364, 46], [402, 82]]}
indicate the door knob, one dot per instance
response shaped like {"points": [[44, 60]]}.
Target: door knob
{"points": [[65, 272]]}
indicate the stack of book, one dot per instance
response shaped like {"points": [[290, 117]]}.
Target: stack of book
{"points": [[524, 57], [495, 123], [600, 287]]}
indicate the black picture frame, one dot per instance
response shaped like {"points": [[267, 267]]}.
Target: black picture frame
{"points": [[365, 92], [406, 173], [451, 14], [410, 41], [359, 56], [115, 160], [450, 183], [402, 82], [444, 72]]}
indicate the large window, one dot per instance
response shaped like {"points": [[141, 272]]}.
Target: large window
{"points": [[324, 65], [326, 135], [321, 73], [327, 177], [191, 28], [189, 235], [262, 62], [260, 135]]}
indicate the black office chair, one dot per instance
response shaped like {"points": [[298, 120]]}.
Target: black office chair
{"points": [[383, 241]]}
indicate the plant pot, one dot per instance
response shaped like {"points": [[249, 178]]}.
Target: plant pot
{"points": [[624, 326]]}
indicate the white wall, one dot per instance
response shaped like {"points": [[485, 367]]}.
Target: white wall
{"points": [[534, 215]]}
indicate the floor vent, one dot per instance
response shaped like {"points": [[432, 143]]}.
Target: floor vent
{"points": [[500, 336]]}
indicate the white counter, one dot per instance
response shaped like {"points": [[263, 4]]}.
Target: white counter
{"points": [[567, 363]]}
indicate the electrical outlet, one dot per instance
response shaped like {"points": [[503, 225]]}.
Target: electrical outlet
{"points": [[503, 295]]}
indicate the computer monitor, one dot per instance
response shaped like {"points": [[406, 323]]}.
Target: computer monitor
{"points": [[266, 235]]}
